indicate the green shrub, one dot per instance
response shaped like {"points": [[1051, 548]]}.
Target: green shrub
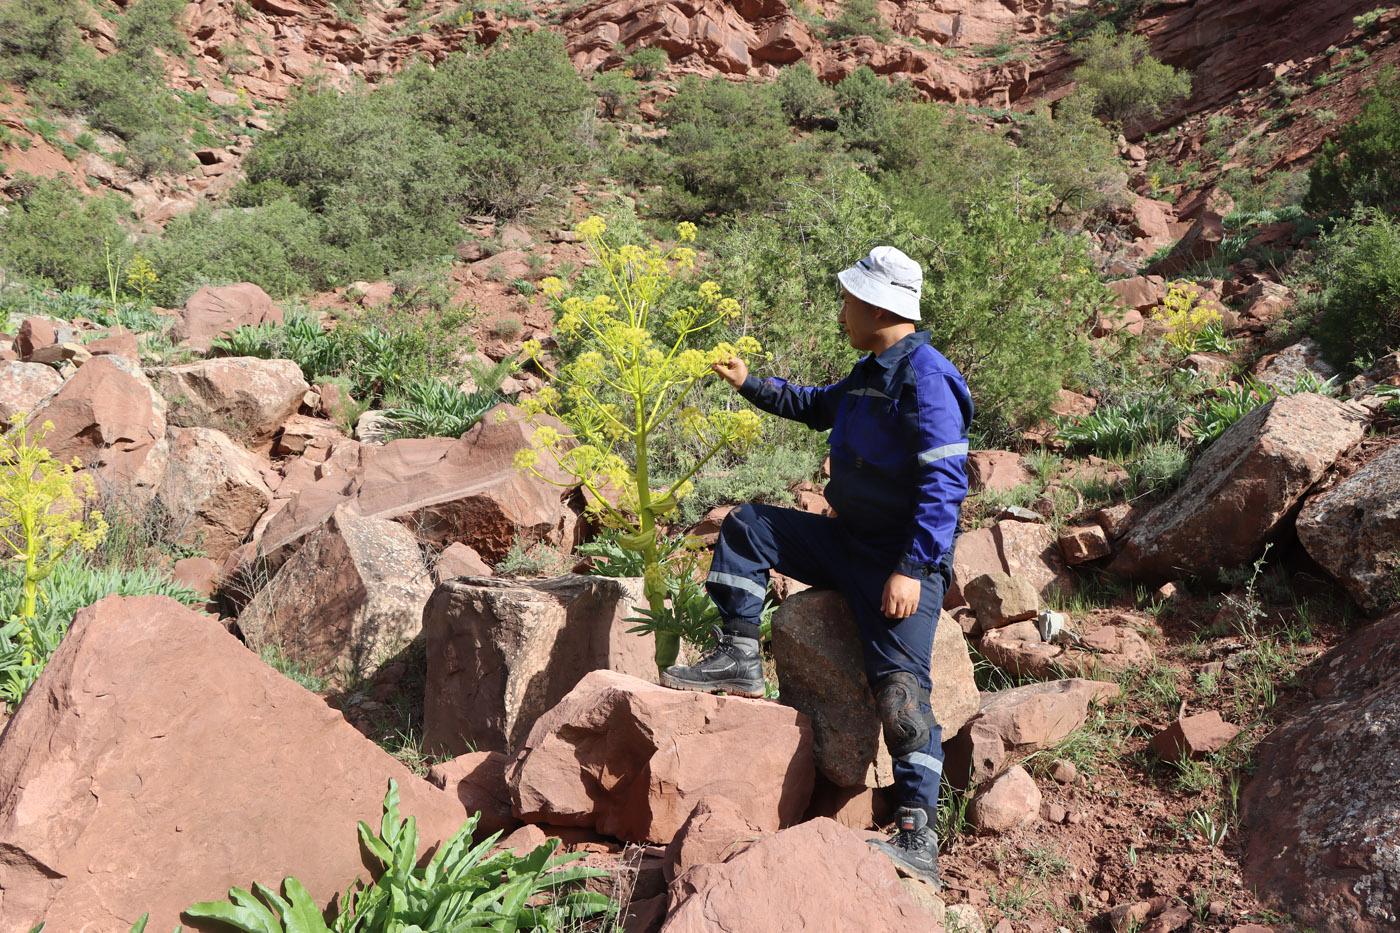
{"points": [[1009, 300], [465, 886], [728, 148], [432, 408], [36, 37], [860, 18], [1360, 264], [1121, 427], [804, 99], [1362, 164], [1124, 82], [73, 585], [277, 245], [389, 174], [1159, 467], [1075, 157], [52, 232], [649, 63], [617, 94], [1229, 404], [866, 104]]}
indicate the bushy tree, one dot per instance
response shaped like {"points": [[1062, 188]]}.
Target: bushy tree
{"points": [[1362, 164], [728, 146], [867, 103], [52, 232], [389, 173], [616, 92], [860, 18], [1075, 157], [279, 246], [805, 99], [1360, 263], [123, 93], [1125, 83]]}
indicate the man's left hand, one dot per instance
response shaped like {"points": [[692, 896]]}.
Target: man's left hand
{"points": [[901, 597]]}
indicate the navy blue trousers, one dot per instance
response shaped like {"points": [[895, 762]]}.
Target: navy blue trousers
{"points": [[818, 551]]}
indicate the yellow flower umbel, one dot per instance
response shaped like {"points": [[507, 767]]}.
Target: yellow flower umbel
{"points": [[42, 514], [604, 444], [1186, 315]]}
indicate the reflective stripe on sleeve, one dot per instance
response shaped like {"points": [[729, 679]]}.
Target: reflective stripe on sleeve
{"points": [[938, 453]]}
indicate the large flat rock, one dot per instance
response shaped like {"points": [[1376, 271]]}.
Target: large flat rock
{"points": [[157, 761], [1353, 531], [1242, 490]]}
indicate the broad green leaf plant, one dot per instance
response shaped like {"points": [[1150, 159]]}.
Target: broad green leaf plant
{"points": [[465, 888], [43, 515], [624, 385]]}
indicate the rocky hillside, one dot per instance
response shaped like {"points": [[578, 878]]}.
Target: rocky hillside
{"points": [[268, 279]]}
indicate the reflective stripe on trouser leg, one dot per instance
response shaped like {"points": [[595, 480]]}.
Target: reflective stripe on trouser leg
{"points": [[917, 775]]}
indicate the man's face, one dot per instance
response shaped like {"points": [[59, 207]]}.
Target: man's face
{"points": [[860, 320]]}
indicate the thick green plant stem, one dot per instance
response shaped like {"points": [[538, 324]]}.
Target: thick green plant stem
{"points": [[668, 644]]}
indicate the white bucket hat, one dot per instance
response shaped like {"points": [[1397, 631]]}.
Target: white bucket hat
{"points": [[888, 279]]}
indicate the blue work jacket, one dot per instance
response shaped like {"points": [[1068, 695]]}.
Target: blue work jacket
{"points": [[898, 441]]}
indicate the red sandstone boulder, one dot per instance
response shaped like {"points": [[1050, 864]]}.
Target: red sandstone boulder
{"points": [[244, 396], [1020, 720], [715, 830], [632, 759], [816, 646], [1200, 243], [478, 779], [466, 489], [1242, 489], [996, 470], [1009, 800], [816, 876], [118, 342], [1150, 219], [1353, 531], [22, 386], [459, 560], [110, 418], [348, 600], [1324, 853], [1018, 649], [1032, 552], [1194, 737], [213, 490], [34, 333], [217, 310], [1000, 599], [1083, 543], [1141, 293], [157, 762], [977, 552], [501, 653]]}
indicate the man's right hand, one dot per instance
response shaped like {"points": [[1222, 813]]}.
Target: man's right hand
{"points": [[733, 371]]}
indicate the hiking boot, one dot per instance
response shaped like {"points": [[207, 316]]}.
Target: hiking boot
{"points": [[734, 665], [913, 847]]}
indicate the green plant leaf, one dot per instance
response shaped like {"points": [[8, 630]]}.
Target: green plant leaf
{"points": [[247, 913]]}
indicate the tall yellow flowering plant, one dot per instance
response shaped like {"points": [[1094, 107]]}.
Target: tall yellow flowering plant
{"points": [[43, 515], [624, 385]]}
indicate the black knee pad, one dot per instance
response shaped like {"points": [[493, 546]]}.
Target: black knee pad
{"points": [[906, 726]]}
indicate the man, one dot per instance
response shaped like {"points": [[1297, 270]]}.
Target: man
{"points": [[898, 441]]}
